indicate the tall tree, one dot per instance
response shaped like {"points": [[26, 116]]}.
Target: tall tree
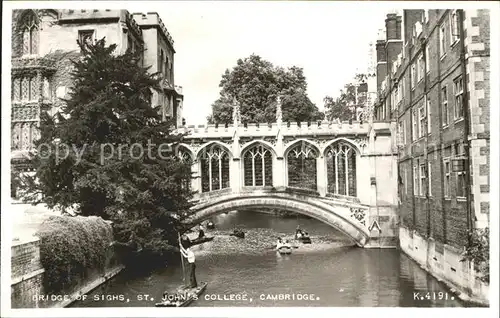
{"points": [[256, 83], [344, 107], [90, 159]]}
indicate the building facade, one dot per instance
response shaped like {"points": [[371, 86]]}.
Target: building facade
{"points": [[44, 42], [433, 80]]}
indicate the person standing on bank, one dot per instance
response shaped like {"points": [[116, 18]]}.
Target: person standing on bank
{"points": [[187, 253]]}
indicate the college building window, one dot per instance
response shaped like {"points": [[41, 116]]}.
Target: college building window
{"points": [[446, 170], [29, 31], [421, 68], [23, 134], [459, 91], [428, 116], [461, 175], [414, 132], [442, 39], [421, 121], [444, 98], [427, 67], [160, 62], [400, 91], [401, 132], [429, 172], [454, 21], [422, 180], [86, 36], [415, 180], [25, 89], [413, 75]]}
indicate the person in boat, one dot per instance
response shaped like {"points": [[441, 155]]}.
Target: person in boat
{"points": [[279, 243], [189, 255], [201, 232], [186, 240], [299, 233], [287, 244], [210, 225]]}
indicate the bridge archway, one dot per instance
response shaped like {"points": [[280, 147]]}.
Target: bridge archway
{"points": [[337, 215]]}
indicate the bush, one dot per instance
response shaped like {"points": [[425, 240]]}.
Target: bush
{"points": [[71, 248], [478, 251]]}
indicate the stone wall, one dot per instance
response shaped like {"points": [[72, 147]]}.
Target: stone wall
{"points": [[27, 277], [27, 273], [443, 262]]}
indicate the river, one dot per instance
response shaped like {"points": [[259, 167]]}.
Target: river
{"points": [[247, 272]]}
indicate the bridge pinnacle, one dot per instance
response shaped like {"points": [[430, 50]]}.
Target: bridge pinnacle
{"points": [[236, 112], [279, 114]]}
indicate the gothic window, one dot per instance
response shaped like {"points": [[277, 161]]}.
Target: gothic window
{"points": [[16, 89], [257, 162], [25, 136], [186, 158], [29, 31], [46, 88], [214, 168], [341, 169], [34, 87], [301, 163], [25, 89], [35, 133], [16, 136], [25, 85]]}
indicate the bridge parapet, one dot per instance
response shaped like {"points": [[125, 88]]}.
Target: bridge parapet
{"points": [[286, 129]]}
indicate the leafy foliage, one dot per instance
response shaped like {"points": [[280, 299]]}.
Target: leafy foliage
{"points": [[91, 162], [71, 248], [478, 251], [343, 107], [256, 83]]}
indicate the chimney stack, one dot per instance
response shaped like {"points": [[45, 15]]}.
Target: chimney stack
{"points": [[392, 23]]}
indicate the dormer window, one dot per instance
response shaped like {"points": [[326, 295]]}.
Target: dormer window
{"points": [[29, 31]]}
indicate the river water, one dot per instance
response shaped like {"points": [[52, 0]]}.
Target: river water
{"points": [[247, 272]]}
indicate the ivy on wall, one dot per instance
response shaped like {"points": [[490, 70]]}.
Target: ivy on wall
{"points": [[478, 252], [71, 248]]}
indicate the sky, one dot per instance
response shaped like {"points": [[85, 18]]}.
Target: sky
{"points": [[329, 40]]}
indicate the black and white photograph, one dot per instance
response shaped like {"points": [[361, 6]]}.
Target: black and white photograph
{"points": [[249, 158]]}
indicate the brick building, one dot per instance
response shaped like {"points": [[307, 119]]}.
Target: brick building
{"points": [[433, 80], [44, 41]]}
